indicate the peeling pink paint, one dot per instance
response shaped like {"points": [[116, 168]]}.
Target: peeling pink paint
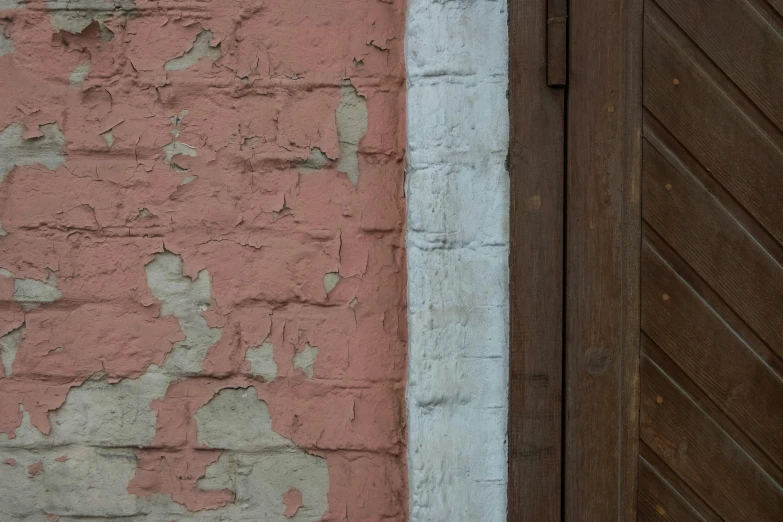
{"points": [[293, 501], [35, 469], [210, 162]]}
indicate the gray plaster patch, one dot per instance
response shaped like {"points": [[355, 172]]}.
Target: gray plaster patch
{"points": [[108, 137], [9, 345], [106, 414], [262, 480], [31, 292], [12, 4], [6, 45], [176, 148], [77, 76], [46, 150], [92, 482], [3, 231], [236, 421], [200, 49], [221, 474], [262, 361], [317, 160], [351, 119], [330, 281], [74, 16], [184, 299], [305, 360]]}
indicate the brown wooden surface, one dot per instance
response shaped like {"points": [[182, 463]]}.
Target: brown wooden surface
{"points": [[536, 169], [712, 261], [659, 501], [557, 43], [689, 499], [602, 260], [704, 455]]}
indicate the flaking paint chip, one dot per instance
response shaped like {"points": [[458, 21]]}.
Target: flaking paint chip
{"points": [[351, 119], [676, 81], [108, 137], [330, 281], [35, 469], [668, 186], [262, 360], [292, 499], [665, 297], [305, 359], [200, 49]]}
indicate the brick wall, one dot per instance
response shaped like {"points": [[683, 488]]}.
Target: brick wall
{"points": [[202, 269]]}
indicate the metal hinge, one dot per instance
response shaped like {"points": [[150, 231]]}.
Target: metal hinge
{"points": [[557, 43]]}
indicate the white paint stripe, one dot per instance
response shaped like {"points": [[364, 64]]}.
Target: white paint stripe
{"points": [[457, 242]]}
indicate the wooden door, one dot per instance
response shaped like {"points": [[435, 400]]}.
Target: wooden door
{"points": [[711, 416], [646, 261]]}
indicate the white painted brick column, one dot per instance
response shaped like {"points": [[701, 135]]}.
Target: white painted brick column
{"points": [[457, 243]]}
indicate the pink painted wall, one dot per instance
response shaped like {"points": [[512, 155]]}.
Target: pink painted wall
{"points": [[201, 196]]}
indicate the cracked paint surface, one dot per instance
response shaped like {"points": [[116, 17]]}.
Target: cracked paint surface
{"points": [[202, 282]]}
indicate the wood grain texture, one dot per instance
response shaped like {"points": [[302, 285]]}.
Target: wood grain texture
{"points": [[658, 501], [673, 481], [557, 43], [741, 42], [602, 261], [536, 169], [715, 245], [714, 356], [710, 408], [702, 454], [698, 113], [712, 259]]}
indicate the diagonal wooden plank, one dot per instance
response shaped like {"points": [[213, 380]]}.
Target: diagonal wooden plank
{"points": [[676, 484], [689, 331], [741, 42], [710, 409], [697, 112], [715, 245], [679, 157], [658, 501], [702, 454], [777, 5]]}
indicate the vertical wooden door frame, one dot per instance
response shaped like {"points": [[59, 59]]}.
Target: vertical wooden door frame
{"points": [[536, 170], [575, 170]]}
